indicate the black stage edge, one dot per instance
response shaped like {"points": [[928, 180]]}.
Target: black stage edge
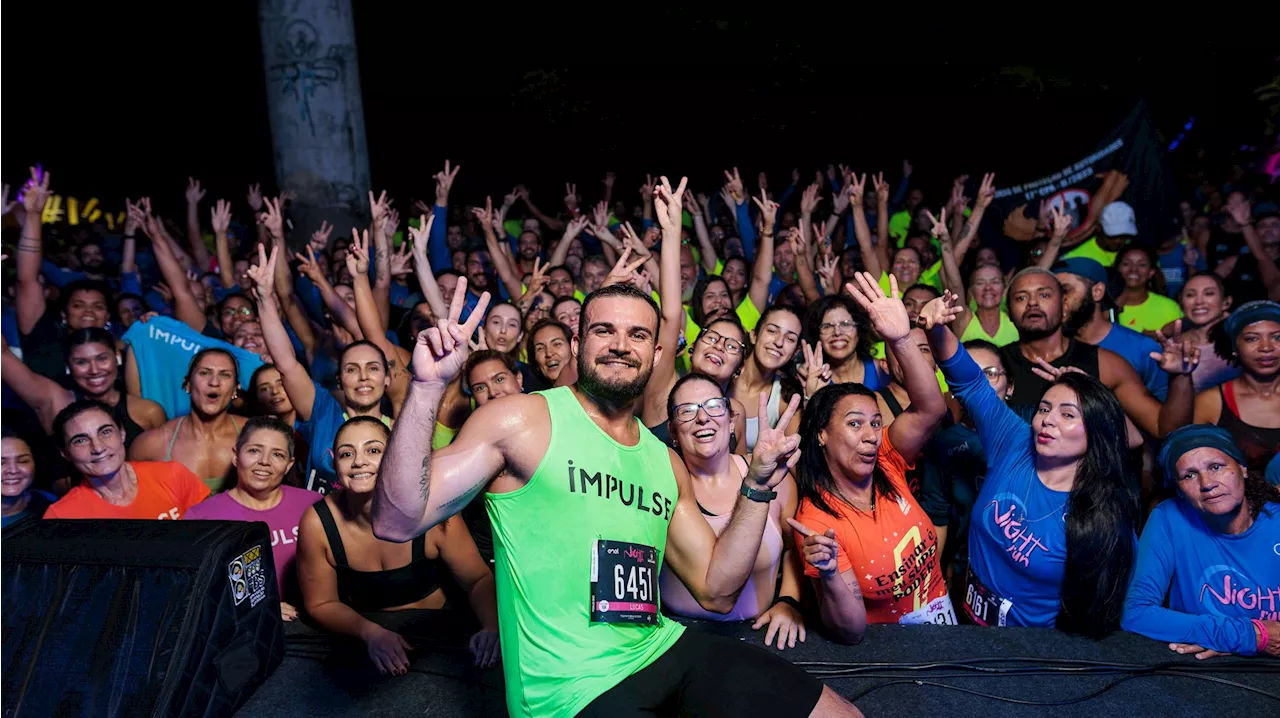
{"points": [[324, 675]]}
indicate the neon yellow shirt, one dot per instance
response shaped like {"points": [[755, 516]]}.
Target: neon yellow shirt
{"points": [[1151, 315], [1005, 334], [1091, 250]]}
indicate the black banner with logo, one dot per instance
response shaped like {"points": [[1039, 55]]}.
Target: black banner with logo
{"points": [[1134, 150]]}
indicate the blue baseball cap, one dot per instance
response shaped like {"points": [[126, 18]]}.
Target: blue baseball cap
{"points": [[1082, 267]]}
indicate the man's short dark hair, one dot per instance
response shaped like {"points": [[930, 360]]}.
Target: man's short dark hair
{"points": [[562, 300], [450, 272], [479, 357], [625, 291]]}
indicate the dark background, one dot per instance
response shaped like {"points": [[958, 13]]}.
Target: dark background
{"points": [[120, 99]]}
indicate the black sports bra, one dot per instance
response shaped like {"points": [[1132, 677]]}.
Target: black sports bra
{"points": [[377, 590]]}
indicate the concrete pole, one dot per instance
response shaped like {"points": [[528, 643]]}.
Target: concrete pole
{"points": [[317, 116]]}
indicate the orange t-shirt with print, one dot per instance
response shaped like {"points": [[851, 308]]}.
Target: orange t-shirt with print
{"points": [[166, 489], [893, 552]]}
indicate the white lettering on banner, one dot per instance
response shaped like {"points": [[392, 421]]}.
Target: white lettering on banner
{"points": [[1065, 177], [171, 514]]}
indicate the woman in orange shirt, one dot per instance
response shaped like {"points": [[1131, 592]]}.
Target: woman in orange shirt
{"points": [[869, 548]]}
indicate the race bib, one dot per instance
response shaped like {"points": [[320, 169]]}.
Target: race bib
{"points": [[624, 583], [983, 605], [937, 612]]}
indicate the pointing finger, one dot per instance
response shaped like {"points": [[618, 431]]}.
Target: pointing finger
{"points": [[800, 528]]}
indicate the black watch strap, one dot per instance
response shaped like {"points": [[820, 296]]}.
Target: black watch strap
{"points": [[762, 497]]}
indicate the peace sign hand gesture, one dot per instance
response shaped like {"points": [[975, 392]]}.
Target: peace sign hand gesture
{"points": [[320, 237], [820, 549], [263, 275], [668, 205], [402, 260], [272, 219], [358, 253], [441, 350], [775, 453], [888, 315], [939, 228], [814, 371], [768, 210], [1179, 356], [308, 267], [623, 273]]}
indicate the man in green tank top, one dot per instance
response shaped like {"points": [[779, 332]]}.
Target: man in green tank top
{"points": [[586, 506]]}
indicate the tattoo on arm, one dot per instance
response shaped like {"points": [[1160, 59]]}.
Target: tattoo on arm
{"points": [[425, 482], [456, 504]]}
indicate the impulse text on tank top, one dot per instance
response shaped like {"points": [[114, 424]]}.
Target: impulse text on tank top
{"points": [[1022, 543], [606, 486]]}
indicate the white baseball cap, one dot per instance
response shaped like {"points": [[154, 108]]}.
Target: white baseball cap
{"points": [[1118, 220]]}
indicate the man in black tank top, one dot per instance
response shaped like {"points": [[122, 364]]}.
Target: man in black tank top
{"points": [[1035, 306]]}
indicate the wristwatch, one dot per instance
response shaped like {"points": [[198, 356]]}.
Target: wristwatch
{"points": [[761, 497]]}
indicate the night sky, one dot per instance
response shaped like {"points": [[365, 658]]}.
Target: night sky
{"points": [[131, 101]]}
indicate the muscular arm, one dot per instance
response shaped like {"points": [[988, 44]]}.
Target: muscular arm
{"points": [[714, 569], [1148, 413], [419, 488]]}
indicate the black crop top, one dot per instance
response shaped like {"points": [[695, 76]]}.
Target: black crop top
{"points": [[377, 590]]}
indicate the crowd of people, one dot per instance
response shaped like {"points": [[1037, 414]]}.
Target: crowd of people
{"points": [[818, 409]]}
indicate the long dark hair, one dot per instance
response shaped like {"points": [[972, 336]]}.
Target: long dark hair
{"points": [[1259, 493], [529, 345], [786, 374], [700, 288], [813, 322], [1102, 516], [813, 476]]}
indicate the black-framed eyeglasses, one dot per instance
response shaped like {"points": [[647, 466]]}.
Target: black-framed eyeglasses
{"points": [[826, 329], [686, 413], [731, 346]]}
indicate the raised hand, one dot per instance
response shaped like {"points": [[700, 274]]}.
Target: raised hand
{"points": [[881, 187], [1060, 221], [272, 219], [733, 181], [444, 183], [768, 211], [829, 274], [571, 196], [888, 315], [817, 373], [939, 228], [775, 453], [392, 224], [646, 189], [939, 311], [287, 195], [538, 280], [441, 350], [320, 237], [1178, 356], [622, 272], [308, 266], [574, 227], [134, 218], [194, 191], [255, 197], [486, 215], [221, 216], [419, 236], [599, 217], [36, 193], [1049, 372], [379, 208], [358, 253], [629, 239], [402, 260], [7, 206], [810, 198], [986, 191], [857, 187], [820, 549], [609, 179], [907, 168], [668, 204], [263, 274], [643, 281], [1239, 210]]}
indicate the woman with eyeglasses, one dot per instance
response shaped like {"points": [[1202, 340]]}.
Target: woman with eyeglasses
{"points": [[718, 352], [775, 342], [699, 421], [839, 325]]}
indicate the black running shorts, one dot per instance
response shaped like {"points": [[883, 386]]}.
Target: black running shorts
{"points": [[706, 675]]}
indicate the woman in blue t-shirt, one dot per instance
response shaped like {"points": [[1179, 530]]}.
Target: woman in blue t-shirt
{"points": [[20, 499], [1210, 550], [1051, 541]]}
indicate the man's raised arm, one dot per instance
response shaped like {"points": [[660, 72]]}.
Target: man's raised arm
{"points": [[416, 488]]}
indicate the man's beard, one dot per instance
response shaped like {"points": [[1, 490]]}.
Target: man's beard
{"points": [[613, 392], [1082, 315]]}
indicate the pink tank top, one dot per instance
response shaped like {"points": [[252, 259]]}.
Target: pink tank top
{"points": [[677, 599]]}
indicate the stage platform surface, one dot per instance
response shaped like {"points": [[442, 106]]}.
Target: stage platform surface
{"points": [[326, 676]]}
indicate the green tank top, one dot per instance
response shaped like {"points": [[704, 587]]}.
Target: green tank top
{"points": [[588, 488]]}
